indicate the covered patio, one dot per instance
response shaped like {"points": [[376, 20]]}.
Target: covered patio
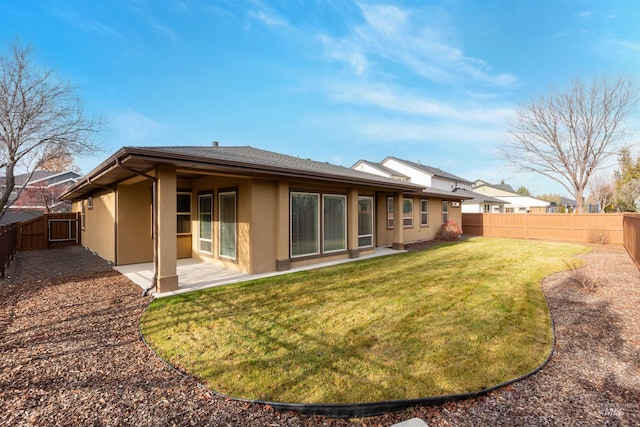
{"points": [[194, 275]]}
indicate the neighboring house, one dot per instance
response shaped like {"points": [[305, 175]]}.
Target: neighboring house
{"points": [[247, 209], [481, 203], [566, 205], [517, 202], [436, 181], [39, 196]]}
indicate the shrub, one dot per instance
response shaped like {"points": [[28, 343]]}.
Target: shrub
{"points": [[450, 230], [578, 275], [598, 236]]}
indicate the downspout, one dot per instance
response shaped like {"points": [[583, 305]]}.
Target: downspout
{"points": [[154, 222]]}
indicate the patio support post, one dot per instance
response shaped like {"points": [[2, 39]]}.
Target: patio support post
{"points": [[352, 223], [398, 235], [167, 277], [282, 227]]}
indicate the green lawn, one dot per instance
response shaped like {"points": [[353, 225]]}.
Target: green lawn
{"points": [[451, 319]]}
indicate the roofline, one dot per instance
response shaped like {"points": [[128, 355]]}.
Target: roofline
{"points": [[408, 163], [159, 157]]}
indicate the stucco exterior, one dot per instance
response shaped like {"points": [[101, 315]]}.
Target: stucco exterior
{"points": [[128, 224]]}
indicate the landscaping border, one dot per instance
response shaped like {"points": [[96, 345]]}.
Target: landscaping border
{"points": [[367, 409]]}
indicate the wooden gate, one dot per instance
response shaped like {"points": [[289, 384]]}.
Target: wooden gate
{"points": [[49, 231]]}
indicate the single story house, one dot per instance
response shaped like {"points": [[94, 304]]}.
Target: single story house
{"points": [[517, 202], [248, 209]]}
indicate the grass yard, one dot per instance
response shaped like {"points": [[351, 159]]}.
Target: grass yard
{"points": [[452, 319]]}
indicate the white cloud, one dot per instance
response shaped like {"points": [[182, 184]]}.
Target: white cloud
{"points": [[345, 51], [406, 101], [268, 18], [86, 23], [416, 40]]}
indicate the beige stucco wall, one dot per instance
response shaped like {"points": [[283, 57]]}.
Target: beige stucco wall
{"points": [[214, 185], [263, 225], [135, 240], [416, 232], [99, 224]]}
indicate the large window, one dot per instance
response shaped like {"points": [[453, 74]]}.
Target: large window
{"points": [[183, 209], [407, 213], [227, 219], [205, 216], [334, 220], [305, 230], [445, 211], [365, 222], [424, 212], [318, 224]]}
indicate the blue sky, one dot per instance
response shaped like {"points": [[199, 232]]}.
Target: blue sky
{"points": [[335, 81]]}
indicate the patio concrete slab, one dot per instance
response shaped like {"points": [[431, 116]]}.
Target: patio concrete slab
{"points": [[194, 274]]}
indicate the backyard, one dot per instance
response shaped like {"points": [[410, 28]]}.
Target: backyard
{"points": [[457, 318], [71, 354]]}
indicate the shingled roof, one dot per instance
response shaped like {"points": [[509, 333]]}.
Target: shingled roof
{"points": [[129, 161]]}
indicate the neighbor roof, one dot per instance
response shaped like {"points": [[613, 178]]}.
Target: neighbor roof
{"points": [[430, 170], [479, 198], [382, 168], [503, 187], [131, 161]]}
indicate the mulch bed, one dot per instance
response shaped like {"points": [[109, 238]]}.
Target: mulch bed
{"points": [[71, 354]]}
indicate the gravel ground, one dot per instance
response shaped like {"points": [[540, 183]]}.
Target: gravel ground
{"points": [[70, 354]]}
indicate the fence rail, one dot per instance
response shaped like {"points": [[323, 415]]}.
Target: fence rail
{"points": [[8, 237], [49, 231], [631, 225], [579, 228]]}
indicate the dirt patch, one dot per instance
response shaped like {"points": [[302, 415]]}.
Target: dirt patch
{"points": [[70, 354]]}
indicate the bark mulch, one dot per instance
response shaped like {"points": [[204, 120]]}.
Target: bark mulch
{"points": [[70, 354]]}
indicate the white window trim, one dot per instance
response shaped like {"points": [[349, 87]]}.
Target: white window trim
{"points": [[424, 224], [390, 213], [200, 196]]}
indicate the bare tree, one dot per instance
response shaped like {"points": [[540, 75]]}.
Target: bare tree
{"points": [[570, 134], [41, 119], [603, 191]]}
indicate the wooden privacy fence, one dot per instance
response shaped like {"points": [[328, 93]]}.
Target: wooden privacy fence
{"points": [[631, 224], [581, 228], [49, 231], [8, 237]]}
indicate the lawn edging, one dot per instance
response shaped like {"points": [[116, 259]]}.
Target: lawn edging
{"points": [[365, 409]]}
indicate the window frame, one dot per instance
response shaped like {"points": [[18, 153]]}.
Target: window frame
{"points": [[211, 222], [323, 224], [184, 213], [361, 236], [445, 211], [390, 214], [221, 205], [83, 213], [407, 217], [424, 214], [318, 225]]}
